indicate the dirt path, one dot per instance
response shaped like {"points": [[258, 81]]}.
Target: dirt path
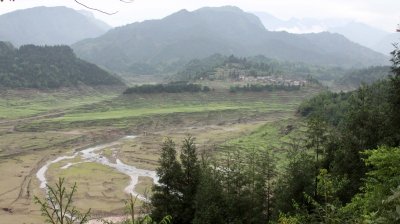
{"points": [[25, 186]]}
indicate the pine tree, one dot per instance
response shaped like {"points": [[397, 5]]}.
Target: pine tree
{"points": [[167, 196], [210, 201], [190, 178]]}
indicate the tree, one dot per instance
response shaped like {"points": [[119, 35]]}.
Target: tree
{"points": [[191, 176], [296, 181], [316, 136], [167, 196], [266, 181], [379, 201], [57, 208], [210, 200], [175, 195]]}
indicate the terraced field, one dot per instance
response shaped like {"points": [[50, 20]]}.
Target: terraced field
{"points": [[42, 126]]}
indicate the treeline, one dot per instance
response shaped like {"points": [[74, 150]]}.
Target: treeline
{"points": [[259, 87], [45, 67], [345, 169], [173, 87], [234, 189]]}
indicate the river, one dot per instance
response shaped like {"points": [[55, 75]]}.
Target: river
{"points": [[92, 154]]}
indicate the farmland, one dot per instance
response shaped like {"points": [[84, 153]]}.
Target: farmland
{"points": [[40, 126]]}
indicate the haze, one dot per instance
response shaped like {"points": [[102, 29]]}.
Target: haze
{"points": [[380, 14]]}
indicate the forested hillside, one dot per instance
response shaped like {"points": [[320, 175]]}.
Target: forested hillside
{"points": [[185, 35], [355, 77], [222, 67], [48, 67]]}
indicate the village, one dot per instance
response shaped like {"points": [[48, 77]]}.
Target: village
{"points": [[271, 80]]}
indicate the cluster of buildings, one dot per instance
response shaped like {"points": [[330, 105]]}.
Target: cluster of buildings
{"points": [[270, 80]]}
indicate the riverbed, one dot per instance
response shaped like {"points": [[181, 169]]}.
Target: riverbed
{"points": [[93, 154]]}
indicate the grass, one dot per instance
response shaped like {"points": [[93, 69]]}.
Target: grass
{"points": [[129, 109], [18, 104], [276, 136]]}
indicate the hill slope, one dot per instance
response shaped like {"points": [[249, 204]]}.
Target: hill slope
{"points": [[48, 67], [49, 25], [226, 30]]}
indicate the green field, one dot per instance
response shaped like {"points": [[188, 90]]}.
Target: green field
{"points": [[24, 103], [41, 126]]}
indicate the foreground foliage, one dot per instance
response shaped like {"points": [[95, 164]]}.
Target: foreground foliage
{"points": [[57, 207]]}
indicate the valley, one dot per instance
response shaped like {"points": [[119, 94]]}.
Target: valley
{"points": [[200, 114], [37, 127]]}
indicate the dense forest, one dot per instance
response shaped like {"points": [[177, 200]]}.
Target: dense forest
{"points": [[46, 67], [345, 170], [172, 87]]}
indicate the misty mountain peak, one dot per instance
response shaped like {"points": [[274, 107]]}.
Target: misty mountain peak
{"points": [[49, 26], [227, 8]]}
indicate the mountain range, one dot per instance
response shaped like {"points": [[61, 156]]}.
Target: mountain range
{"points": [[178, 38], [366, 35], [49, 26], [226, 30]]}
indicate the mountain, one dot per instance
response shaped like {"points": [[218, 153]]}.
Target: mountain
{"points": [[363, 34], [226, 30], [49, 26], [47, 67]]}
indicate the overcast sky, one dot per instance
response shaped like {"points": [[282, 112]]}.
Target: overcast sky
{"points": [[383, 14]]}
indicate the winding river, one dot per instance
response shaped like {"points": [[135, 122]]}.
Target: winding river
{"points": [[92, 154]]}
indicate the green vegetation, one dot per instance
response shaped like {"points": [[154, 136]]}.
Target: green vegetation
{"points": [[57, 208], [130, 108], [234, 191], [172, 87], [48, 67], [25, 103]]}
